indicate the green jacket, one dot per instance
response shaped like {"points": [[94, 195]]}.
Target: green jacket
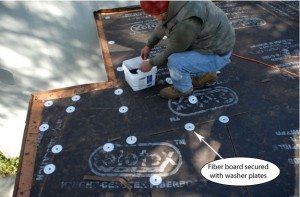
{"points": [[197, 25]]}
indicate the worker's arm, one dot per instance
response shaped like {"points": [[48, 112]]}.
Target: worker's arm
{"points": [[156, 36], [179, 40]]}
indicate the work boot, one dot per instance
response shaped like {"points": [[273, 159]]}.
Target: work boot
{"points": [[200, 81], [172, 93]]}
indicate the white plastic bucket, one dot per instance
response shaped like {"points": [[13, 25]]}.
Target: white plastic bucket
{"points": [[139, 80]]}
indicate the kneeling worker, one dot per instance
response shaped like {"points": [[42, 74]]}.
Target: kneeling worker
{"points": [[200, 42]]}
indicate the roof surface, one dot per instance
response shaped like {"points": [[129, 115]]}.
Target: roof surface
{"points": [[261, 103]]}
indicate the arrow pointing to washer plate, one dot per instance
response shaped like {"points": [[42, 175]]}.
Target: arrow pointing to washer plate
{"points": [[201, 138]]}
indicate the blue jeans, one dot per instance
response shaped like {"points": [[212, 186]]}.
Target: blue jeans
{"points": [[184, 65]]}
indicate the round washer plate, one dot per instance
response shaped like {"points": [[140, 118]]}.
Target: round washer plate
{"points": [[56, 149], [108, 147], [44, 127], [111, 42], [193, 99], [118, 91], [165, 37], [76, 98], [189, 126], [120, 69], [224, 119], [131, 140], [155, 180], [123, 109], [48, 103], [169, 80], [107, 17], [49, 169], [70, 109]]}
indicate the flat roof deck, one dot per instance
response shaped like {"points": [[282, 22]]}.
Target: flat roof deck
{"points": [[262, 104]]}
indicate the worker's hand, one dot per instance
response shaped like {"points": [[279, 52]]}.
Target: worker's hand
{"points": [[145, 52], [145, 66]]}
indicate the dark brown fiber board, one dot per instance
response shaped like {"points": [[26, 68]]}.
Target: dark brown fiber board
{"points": [[261, 103]]}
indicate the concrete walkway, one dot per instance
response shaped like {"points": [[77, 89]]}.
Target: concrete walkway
{"points": [[43, 46], [7, 186]]}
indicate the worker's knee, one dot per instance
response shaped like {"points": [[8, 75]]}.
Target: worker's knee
{"points": [[174, 67], [173, 61]]}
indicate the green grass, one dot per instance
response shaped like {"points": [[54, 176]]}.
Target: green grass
{"points": [[8, 166]]}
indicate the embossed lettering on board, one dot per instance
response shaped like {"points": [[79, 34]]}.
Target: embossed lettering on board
{"points": [[138, 162], [208, 100], [282, 53], [143, 26], [240, 23]]}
